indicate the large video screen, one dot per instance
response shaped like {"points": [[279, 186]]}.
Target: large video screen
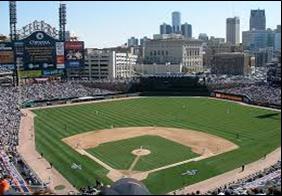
{"points": [[39, 52], [74, 54]]}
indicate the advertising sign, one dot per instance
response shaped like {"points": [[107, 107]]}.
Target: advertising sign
{"points": [[60, 52], [6, 53], [74, 54], [55, 72], [39, 51], [230, 97], [30, 74]]}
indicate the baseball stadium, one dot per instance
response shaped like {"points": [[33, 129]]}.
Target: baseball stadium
{"points": [[147, 134], [155, 140]]}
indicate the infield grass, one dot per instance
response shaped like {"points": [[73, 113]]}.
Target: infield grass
{"points": [[118, 154], [259, 133]]}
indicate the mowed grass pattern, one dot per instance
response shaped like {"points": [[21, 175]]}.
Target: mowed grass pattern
{"points": [[118, 154], [259, 132]]}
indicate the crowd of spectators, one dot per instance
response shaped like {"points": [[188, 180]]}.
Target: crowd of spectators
{"points": [[266, 182], [5, 69], [223, 82], [58, 90], [119, 85], [10, 116], [257, 93], [90, 190], [9, 126]]}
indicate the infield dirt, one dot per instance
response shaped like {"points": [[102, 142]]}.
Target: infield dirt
{"points": [[206, 145]]}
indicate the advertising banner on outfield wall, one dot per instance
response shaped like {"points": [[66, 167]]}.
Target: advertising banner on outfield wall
{"points": [[6, 53], [229, 96], [74, 54]]}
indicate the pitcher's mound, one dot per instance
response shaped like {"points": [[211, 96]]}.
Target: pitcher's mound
{"points": [[141, 152]]}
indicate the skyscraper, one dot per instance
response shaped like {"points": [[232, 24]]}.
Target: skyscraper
{"points": [[132, 42], [176, 22], [277, 38], [186, 30], [255, 40], [142, 40], [233, 30], [257, 20], [165, 29]]}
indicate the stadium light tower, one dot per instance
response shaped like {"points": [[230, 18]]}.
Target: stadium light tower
{"points": [[62, 20], [13, 20], [13, 32]]}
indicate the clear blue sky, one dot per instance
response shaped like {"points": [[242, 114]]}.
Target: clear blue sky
{"points": [[107, 24]]}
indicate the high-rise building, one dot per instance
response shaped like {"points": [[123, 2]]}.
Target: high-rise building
{"points": [[278, 28], [142, 40], [255, 40], [186, 30], [263, 56], [132, 42], [277, 38], [176, 22], [257, 20], [165, 29], [203, 37], [270, 37], [233, 30]]}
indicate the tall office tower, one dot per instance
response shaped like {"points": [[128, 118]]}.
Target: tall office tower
{"points": [[132, 41], [186, 30], [143, 40], [278, 28], [277, 38], [233, 30], [257, 20], [165, 29], [176, 22]]}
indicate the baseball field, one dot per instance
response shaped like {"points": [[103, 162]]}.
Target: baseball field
{"points": [[157, 140]]}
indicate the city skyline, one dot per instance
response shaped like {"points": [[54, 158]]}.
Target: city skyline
{"points": [[106, 24]]}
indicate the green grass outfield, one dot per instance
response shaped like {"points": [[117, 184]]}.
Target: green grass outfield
{"points": [[259, 132], [164, 152]]}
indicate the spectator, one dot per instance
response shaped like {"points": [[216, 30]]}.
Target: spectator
{"points": [[4, 185]]}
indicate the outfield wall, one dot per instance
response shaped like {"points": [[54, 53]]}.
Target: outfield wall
{"points": [[242, 98], [62, 101]]}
